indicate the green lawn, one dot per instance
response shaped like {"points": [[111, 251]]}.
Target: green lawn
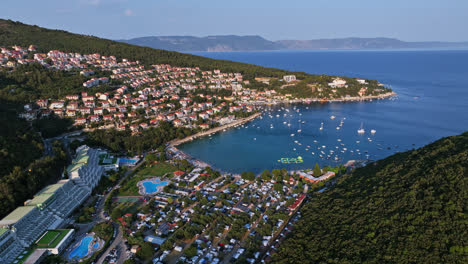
{"points": [[52, 238], [157, 170], [130, 188]]}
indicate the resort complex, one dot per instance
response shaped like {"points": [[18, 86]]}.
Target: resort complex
{"points": [[50, 207], [85, 170]]}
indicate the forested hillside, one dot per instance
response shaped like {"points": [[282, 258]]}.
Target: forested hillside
{"points": [[19, 143], [408, 208]]}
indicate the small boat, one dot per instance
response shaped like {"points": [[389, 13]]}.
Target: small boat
{"points": [[292, 135], [321, 126], [373, 131], [337, 128], [361, 130], [332, 117], [299, 131]]}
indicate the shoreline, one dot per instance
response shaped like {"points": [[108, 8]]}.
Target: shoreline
{"points": [[176, 142], [322, 100], [174, 151]]}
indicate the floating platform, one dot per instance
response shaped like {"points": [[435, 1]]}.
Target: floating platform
{"points": [[291, 160]]}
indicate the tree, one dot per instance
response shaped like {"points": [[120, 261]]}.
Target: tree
{"points": [[299, 185], [249, 176], [325, 169], [266, 175], [204, 201], [278, 187], [317, 170], [151, 158], [191, 251], [129, 261], [146, 252], [116, 213], [170, 200]]}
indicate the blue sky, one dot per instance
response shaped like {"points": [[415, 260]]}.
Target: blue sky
{"points": [[410, 20]]}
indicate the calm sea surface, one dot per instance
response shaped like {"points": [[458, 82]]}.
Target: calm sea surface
{"points": [[432, 102]]}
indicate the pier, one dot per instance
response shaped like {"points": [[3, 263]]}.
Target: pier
{"points": [[241, 121]]}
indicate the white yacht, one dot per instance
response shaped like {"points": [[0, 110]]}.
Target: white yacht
{"points": [[361, 130]]}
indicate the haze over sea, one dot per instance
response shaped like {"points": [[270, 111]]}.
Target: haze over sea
{"points": [[432, 102]]}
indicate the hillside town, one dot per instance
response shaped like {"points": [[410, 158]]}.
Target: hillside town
{"points": [[140, 97]]}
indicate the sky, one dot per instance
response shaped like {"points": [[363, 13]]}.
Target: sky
{"points": [[409, 20]]}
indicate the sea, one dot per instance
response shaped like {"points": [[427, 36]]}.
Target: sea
{"points": [[432, 102]]}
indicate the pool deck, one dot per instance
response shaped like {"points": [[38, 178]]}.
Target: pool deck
{"points": [[142, 189], [91, 249]]}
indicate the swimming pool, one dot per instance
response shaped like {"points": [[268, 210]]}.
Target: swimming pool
{"points": [[82, 250], [153, 186], [125, 161]]}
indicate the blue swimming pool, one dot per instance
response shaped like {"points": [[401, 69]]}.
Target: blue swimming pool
{"points": [[82, 250], [125, 161], [152, 186]]}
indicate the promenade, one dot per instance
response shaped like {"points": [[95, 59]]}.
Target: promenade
{"points": [[177, 142]]}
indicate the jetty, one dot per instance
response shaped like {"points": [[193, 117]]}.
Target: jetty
{"points": [[237, 122]]}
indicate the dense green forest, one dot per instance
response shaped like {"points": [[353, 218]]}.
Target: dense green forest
{"points": [[23, 173], [16, 33], [408, 208], [23, 182], [19, 143], [148, 139]]}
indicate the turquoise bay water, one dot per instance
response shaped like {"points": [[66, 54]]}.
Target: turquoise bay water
{"points": [[82, 250], [432, 102], [152, 187]]}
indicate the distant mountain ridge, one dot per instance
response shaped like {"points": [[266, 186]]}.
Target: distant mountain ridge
{"points": [[209, 43], [258, 43]]}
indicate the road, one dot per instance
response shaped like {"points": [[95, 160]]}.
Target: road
{"points": [[118, 241]]}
